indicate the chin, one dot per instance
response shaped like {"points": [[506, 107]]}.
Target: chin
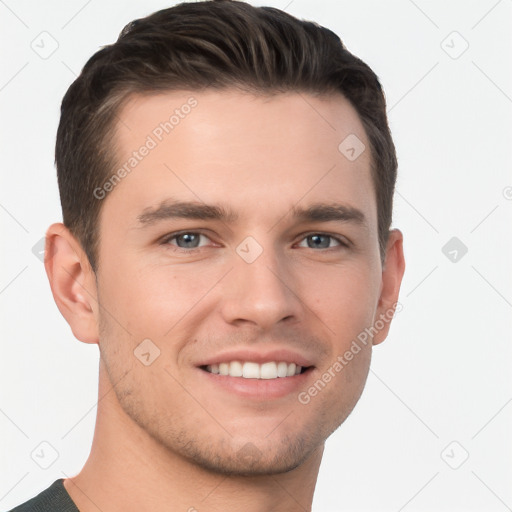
{"points": [[251, 458]]}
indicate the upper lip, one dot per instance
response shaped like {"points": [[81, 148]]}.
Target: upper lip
{"points": [[258, 356]]}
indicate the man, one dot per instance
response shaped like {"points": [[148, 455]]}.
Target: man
{"points": [[226, 176]]}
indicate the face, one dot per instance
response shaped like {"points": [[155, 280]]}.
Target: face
{"points": [[241, 245]]}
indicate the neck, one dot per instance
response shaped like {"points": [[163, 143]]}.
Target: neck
{"points": [[129, 470]]}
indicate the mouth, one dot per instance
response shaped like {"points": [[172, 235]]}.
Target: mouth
{"points": [[251, 370], [263, 375], [258, 382]]}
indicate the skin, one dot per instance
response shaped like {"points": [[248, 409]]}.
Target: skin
{"points": [[164, 436]]}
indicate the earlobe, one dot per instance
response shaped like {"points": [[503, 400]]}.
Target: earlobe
{"points": [[392, 274], [72, 282]]}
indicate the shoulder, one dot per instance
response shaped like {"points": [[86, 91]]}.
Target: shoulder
{"points": [[55, 499]]}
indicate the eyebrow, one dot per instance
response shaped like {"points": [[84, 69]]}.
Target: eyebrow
{"points": [[318, 212], [326, 212], [173, 209]]}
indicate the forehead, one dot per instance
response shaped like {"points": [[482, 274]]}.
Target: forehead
{"points": [[247, 150]]}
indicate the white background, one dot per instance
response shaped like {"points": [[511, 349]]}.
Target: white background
{"points": [[443, 375]]}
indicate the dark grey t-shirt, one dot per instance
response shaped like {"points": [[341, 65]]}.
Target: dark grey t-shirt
{"points": [[53, 499]]}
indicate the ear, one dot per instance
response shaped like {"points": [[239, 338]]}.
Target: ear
{"points": [[392, 273], [73, 282]]}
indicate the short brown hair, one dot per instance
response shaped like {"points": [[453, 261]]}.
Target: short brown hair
{"points": [[203, 45]]}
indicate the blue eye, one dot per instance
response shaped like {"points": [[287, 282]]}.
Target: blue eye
{"points": [[321, 241], [186, 240]]}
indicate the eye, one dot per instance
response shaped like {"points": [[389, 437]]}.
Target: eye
{"points": [[321, 241], [185, 240]]}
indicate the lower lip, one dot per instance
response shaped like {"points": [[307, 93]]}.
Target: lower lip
{"points": [[262, 389]]}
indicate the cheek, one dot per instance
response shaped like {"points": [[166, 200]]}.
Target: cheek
{"points": [[347, 307], [345, 298], [150, 299]]}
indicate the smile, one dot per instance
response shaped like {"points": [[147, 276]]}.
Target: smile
{"points": [[251, 370]]}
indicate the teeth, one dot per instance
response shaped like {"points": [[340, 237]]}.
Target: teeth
{"points": [[282, 369], [268, 371], [250, 370], [235, 369]]}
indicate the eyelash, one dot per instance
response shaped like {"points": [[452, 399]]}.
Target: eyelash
{"points": [[167, 239]]}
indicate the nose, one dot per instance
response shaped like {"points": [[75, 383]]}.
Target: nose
{"points": [[262, 293]]}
